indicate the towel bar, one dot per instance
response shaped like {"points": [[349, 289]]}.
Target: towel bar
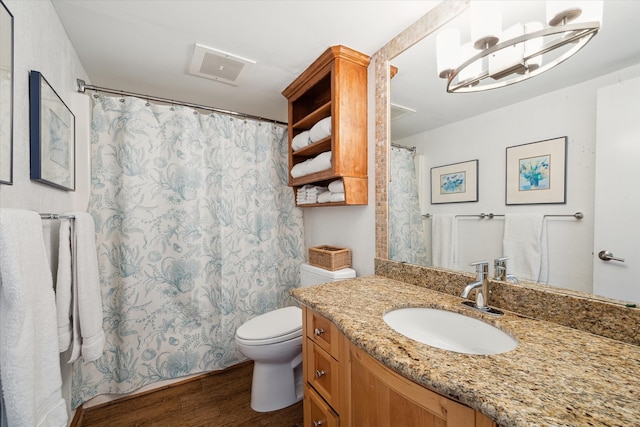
{"points": [[577, 215], [56, 216]]}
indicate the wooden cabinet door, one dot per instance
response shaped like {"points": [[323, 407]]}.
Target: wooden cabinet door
{"points": [[382, 398]]}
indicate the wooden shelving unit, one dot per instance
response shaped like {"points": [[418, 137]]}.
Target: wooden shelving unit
{"points": [[334, 85]]}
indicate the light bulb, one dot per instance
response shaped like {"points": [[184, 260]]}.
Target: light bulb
{"points": [[447, 51], [486, 23]]}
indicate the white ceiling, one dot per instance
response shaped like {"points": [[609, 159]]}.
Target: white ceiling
{"points": [[146, 46]]}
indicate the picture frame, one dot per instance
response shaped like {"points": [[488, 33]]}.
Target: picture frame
{"points": [[52, 135], [455, 183], [6, 95], [536, 173]]}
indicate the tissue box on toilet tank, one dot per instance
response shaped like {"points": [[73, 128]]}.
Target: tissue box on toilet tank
{"points": [[330, 257]]}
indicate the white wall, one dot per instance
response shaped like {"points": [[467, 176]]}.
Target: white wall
{"points": [[41, 44], [570, 112], [351, 227]]}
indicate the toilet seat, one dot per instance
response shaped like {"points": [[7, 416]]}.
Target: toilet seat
{"points": [[272, 327]]}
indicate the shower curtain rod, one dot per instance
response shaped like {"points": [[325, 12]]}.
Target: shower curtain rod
{"points": [[82, 86], [412, 149]]}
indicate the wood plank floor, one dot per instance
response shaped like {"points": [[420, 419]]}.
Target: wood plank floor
{"points": [[220, 399]]}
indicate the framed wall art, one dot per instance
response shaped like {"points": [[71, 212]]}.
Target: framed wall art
{"points": [[536, 172], [6, 95], [455, 183], [52, 136]]}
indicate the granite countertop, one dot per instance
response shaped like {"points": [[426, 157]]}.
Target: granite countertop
{"points": [[557, 376]]}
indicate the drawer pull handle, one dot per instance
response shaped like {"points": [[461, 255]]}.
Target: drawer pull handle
{"points": [[317, 423], [319, 331], [320, 372]]}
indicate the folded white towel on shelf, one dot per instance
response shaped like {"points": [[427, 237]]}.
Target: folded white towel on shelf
{"points": [[29, 361], [324, 197], [337, 197], [525, 243], [328, 197], [301, 140], [88, 336], [309, 193], [300, 169], [320, 163], [336, 186], [444, 240], [320, 130]]}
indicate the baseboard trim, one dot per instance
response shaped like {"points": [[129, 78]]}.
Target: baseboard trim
{"points": [[76, 421], [155, 390]]}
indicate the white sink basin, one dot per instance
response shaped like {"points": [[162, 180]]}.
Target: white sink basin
{"points": [[450, 331]]}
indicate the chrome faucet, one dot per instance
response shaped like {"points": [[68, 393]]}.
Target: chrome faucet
{"points": [[481, 284], [500, 268]]}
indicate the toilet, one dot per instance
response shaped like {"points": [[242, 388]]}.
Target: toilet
{"points": [[273, 341]]}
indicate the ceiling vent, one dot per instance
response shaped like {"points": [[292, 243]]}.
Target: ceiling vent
{"points": [[398, 111], [217, 65]]}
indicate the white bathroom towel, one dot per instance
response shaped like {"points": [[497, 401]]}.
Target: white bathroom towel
{"points": [[64, 285], [319, 163], [444, 236], [29, 360], [525, 243], [320, 130], [336, 186], [300, 169], [324, 197], [301, 140], [88, 336]]}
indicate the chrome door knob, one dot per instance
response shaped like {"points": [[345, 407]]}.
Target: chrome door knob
{"points": [[608, 256]]}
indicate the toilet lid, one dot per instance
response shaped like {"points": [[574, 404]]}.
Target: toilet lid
{"points": [[273, 326]]}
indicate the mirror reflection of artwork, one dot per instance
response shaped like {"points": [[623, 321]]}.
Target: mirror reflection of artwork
{"points": [[534, 173], [530, 179], [453, 183], [457, 182]]}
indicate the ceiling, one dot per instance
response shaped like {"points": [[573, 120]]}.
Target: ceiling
{"points": [[146, 46]]}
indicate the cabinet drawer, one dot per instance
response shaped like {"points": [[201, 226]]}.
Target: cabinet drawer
{"points": [[317, 412], [323, 332], [323, 374]]}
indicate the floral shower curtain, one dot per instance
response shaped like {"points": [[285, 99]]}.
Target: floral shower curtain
{"points": [[196, 232], [406, 232]]}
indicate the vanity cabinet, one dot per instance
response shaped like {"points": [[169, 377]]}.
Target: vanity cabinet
{"points": [[344, 386], [334, 85], [324, 375]]}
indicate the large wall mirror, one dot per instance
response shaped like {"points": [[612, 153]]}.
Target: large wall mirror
{"points": [[591, 101]]}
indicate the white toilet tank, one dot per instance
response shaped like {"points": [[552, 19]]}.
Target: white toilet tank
{"points": [[311, 275]]}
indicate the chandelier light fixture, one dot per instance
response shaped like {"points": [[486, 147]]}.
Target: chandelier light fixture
{"points": [[494, 57]]}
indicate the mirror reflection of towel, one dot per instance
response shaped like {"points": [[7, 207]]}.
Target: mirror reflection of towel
{"points": [[444, 240], [525, 243]]}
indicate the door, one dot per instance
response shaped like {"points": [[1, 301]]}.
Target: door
{"points": [[617, 192]]}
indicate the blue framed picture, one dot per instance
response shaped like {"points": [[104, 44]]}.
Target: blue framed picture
{"points": [[455, 183], [536, 172], [52, 136]]}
